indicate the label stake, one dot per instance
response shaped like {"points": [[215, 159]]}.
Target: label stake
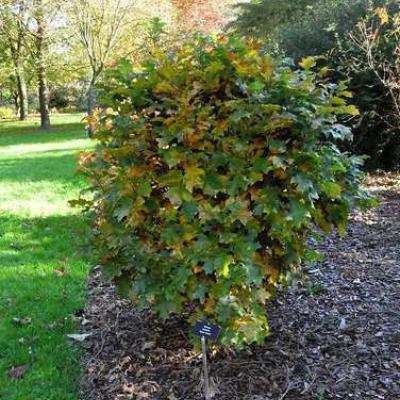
{"points": [[205, 331], [205, 369]]}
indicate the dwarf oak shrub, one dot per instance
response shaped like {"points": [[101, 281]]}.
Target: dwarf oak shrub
{"points": [[214, 163]]}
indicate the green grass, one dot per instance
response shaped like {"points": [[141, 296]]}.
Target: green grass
{"points": [[40, 235]]}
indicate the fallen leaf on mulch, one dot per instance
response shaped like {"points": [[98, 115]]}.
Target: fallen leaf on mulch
{"points": [[19, 372]]}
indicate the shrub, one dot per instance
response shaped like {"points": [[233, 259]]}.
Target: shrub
{"points": [[263, 18], [214, 163], [317, 32], [326, 29], [7, 112], [363, 52], [371, 61]]}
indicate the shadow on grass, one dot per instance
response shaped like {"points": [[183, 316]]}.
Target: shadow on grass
{"points": [[42, 240], [27, 134], [43, 268], [55, 165]]}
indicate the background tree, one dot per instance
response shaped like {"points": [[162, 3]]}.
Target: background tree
{"points": [[40, 45], [15, 19], [99, 25], [206, 16]]}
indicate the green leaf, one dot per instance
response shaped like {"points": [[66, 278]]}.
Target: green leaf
{"points": [[145, 189], [173, 157], [190, 210], [213, 181], [172, 178], [332, 189], [256, 87], [178, 195], [303, 182], [298, 213], [262, 165]]}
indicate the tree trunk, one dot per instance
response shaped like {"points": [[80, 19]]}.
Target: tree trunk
{"points": [[22, 94], [16, 103], [43, 97], [41, 69], [91, 103]]}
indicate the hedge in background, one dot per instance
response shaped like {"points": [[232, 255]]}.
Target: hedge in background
{"points": [[214, 163]]}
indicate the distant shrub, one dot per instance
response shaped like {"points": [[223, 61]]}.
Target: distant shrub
{"points": [[325, 29], [7, 112], [69, 110], [370, 59], [214, 163]]}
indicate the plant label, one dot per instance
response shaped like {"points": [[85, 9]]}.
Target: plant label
{"points": [[206, 330]]}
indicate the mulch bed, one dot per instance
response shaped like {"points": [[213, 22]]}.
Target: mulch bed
{"points": [[335, 336]]}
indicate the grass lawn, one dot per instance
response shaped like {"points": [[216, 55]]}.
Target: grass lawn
{"points": [[43, 257]]}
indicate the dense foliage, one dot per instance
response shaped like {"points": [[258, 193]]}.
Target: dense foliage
{"points": [[263, 17], [318, 30], [214, 163]]}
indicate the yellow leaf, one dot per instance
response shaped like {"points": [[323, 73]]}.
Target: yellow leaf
{"points": [[382, 13], [249, 327], [321, 221], [269, 268], [163, 87], [110, 111], [245, 68], [324, 71], [193, 176], [347, 94], [352, 110], [224, 270], [197, 269], [263, 295], [215, 67], [267, 68], [209, 306], [307, 63]]}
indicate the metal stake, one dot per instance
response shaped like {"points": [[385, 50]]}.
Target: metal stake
{"points": [[205, 369]]}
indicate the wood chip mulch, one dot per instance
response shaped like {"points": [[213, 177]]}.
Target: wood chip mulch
{"points": [[335, 336]]}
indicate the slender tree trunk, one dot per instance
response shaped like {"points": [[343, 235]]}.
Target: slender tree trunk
{"points": [[22, 95], [16, 102], [43, 97], [91, 98], [41, 69], [91, 102]]}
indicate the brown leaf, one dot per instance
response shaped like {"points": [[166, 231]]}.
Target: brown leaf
{"points": [[19, 372], [60, 271]]}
